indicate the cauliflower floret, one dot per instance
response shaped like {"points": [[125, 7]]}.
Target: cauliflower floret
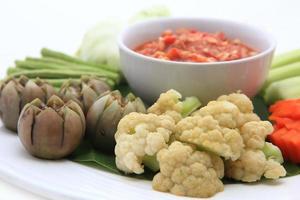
{"points": [[246, 117], [274, 170], [252, 165], [224, 112], [139, 135], [243, 103], [186, 172], [168, 104], [254, 133], [206, 133]]}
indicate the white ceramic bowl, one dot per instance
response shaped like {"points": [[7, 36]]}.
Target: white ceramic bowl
{"points": [[148, 77]]}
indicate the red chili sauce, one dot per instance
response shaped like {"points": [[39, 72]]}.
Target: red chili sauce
{"points": [[190, 45]]}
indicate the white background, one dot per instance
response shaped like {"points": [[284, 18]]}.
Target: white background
{"points": [[27, 26]]}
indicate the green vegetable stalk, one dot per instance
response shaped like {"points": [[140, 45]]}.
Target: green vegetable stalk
{"points": [[61, 56], [281, 73], [190, 104], [56, 74], [48, 65], [272, 152], [284, 89], [286, 58], [284, 78], [57, 67], [48, 60]]}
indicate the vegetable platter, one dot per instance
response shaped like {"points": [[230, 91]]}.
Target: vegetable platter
{"points": [[84, 119], [59, 180]]}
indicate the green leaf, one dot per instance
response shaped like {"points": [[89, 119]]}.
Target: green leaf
{"points": [[260, 108], [124, 89], [86, 155], [291, 169]]}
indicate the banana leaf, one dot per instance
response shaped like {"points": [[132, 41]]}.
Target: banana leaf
{"points": [[85, 154]]}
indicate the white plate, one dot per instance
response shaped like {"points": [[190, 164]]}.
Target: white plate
{"points": [[68, 180]]}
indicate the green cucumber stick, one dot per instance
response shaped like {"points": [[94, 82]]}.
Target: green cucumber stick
{"points": [[189, 105], [286, 58], [288, 71], [284, 89]]}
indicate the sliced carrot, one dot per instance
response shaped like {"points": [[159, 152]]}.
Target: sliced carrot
{"points": [[290, 111], [285, 122], [293, 125], [280, 121], [292, 140], [287, 108], [282, 103], [276, 139], [286, 146], [285, 115]]}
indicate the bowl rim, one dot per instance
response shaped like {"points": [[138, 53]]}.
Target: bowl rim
{"points": [[261, 54]]}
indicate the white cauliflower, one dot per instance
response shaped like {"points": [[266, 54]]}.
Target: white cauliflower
{"points": [[224, 112], [168, 103], [232, 111], [246, 117], [206, 133], [187, 172], [254, 133], [139, 135], [274, 170], [225, 128], [244, 105], [252, 165]]}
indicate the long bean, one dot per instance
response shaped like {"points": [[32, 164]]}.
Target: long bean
{"points": [[50, 60], [30, 65], [45, 65], [58, 55], [12, 70], [55, 74]]}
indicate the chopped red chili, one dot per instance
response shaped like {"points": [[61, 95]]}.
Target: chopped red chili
{"points": [[190, 45]]}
